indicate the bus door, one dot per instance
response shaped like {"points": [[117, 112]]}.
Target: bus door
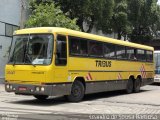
{"points": [[61, 59]]}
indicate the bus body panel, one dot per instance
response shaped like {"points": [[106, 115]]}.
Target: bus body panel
{"points": [[26, 73], [106, 77], [99, 74]]}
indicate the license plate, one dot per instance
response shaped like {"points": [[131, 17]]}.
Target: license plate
{"points": [[156, 80], [22, 88]]}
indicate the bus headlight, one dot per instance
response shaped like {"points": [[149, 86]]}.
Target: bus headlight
{"points": [[11, 87], [37, 89], [42, 89], [7, 86]]}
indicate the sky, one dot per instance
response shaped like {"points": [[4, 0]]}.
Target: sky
{"points": [[159, 2]]}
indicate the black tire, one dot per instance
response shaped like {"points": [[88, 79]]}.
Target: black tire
{"points": [[77, 92], [137, 85], [41, 97], [129, 87]]}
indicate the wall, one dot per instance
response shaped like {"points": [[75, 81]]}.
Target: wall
{"points": [[10, 11], [10, 18]]}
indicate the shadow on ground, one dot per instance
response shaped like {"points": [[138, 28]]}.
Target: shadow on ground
{"points": [[62, 100], [156, 84]]}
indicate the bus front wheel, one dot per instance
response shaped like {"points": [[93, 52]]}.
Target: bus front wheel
{"points": [[77, 92], [129, 87], [41, 97], [137, 85]]}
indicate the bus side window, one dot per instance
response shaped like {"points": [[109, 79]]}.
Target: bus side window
{"points": [[78, 46], [141, 55], [109, 50], [131, 53], [74, 46], [95, 49], [149, 55], [61, 51], [120, 52]]}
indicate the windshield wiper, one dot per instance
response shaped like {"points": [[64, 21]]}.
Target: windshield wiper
{"points": [[14, 62], [14, 59], [29, 58]]}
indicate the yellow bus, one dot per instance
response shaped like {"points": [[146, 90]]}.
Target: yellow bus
{"points": [[51, 61]]}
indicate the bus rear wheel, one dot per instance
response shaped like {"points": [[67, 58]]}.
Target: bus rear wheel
{"points": [[137, 85], [41, 97], [129, 87], [77, 92]]}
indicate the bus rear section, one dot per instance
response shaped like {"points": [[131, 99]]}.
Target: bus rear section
{"points": [[157, 66]]}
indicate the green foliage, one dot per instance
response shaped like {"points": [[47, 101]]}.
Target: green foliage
{"points": [[49, 15], [137, 19], [143, 15], [120, 23], [93, 12]]}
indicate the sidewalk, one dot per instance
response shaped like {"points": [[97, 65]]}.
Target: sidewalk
{"points": [[1, 80], [2, 89], [2, 85]]}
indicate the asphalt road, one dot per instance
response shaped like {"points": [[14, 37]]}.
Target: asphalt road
{"points": [[17, 107]]}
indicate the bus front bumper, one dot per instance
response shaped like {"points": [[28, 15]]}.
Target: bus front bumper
{"points": [[50, 90], [157, 79]]}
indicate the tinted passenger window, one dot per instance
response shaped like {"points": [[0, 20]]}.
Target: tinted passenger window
{"points": [[74, 46], [131, 53], [78, 46], [95, 49], [84, 48], [149, 55], [109, 50], [120, 52], [141, 55]]}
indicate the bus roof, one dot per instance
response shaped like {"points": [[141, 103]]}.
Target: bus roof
{"points": [[65, 31]]}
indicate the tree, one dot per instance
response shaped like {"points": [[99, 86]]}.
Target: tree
{"points": [[47, 14], [156, 25], [143, 14], [92, 12], [137, 19], [119, 21]]}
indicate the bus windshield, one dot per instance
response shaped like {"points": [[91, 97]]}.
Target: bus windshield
{"points": [[157, 63], [32, 49]]}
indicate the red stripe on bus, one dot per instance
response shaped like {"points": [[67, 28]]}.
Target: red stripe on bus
{"points": [[90, 75]]}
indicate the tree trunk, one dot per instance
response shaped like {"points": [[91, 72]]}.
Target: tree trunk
{"points": [[119, 36], [91, 25], [80, 24]]}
